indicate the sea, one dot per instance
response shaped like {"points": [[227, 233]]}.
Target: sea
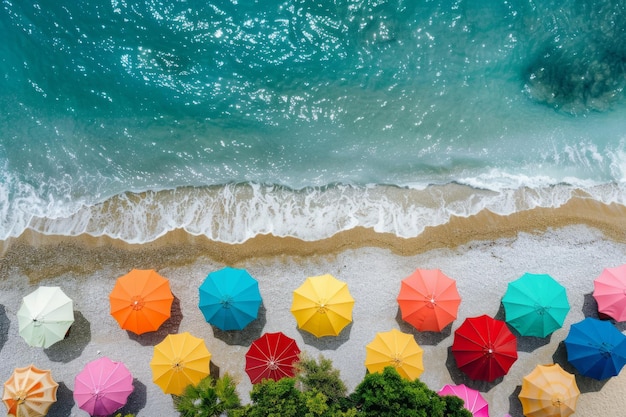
{"points": [[304, 118]]}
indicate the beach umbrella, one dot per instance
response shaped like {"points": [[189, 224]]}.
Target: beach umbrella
{"points": [[29, 392], [473, 400], [141, 301], [428, 300], [179, 360], [484, 348], [229, 298], [45, 316], [102, 387], [548, 391], [397, 349], [609, 290], [271, 357], [322, 305], [596, 348], [535, 305]]}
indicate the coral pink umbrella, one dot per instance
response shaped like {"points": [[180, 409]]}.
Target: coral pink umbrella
{"points": [[472, 399], [609, 290], [102, 387]]}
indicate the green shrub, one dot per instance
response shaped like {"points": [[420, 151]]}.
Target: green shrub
{"points": [[211, 397]]}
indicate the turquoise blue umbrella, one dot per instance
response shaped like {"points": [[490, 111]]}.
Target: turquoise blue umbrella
{"points": [[596, 348], [535, 305], [229, 298]]}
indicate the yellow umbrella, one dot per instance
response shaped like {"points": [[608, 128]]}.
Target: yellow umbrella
{"points": [[179, 360], [322, 305], [397, 349], [549, 391], [29, 392]]}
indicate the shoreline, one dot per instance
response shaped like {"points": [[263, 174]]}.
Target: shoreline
{"points": [[30, 253], [482, 253]]}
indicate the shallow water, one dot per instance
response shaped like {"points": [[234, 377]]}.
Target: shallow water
{"points": [[302, 118]]}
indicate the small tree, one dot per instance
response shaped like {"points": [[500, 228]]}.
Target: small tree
{"points": [[320, 376], [211, 397], [387, 394]]}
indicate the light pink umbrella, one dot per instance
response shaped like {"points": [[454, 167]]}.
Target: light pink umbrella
{"points": [[102, 387], [472, 399], [609, 290]]}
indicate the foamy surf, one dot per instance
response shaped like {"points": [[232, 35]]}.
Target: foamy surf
{"points": [[235, 213]]}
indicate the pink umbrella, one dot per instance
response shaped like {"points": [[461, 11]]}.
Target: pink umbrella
{"points": [[472, 399], [609, 290], [102, 387]]}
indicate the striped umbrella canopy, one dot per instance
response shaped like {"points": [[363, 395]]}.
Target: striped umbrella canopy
{"points": [[549, 391], [29, 392]]}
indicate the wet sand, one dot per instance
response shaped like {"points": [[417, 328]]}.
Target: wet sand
{"points": [[483, 253]]}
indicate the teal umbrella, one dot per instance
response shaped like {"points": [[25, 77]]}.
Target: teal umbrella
{"points": [[535, 305], [229, 298]]}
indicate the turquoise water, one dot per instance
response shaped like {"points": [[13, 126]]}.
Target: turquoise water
{"points": [[304, 118]]}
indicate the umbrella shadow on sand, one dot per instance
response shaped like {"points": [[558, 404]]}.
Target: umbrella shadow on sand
{"points": [[169, 326], [459, 377], [423, 338], [74, 343], [246, 336], [585, 384], [515, 405], [326, 342], [64, 403], [4, 326], [524, 343], [136, 400], [590, 309]]}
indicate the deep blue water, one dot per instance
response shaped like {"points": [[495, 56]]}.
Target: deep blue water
{"points": [[304, 118]]}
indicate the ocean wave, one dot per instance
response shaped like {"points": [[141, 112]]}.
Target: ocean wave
{"points": [[234, 213]]}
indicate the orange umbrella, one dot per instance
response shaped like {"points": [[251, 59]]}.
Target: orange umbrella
{"points": [[141, 301], [428, 300], [29, 392], [549, 391]]}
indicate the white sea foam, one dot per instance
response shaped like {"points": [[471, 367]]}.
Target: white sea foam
{"points": [[234, 213]]}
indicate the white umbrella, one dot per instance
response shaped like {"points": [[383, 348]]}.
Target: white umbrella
{"points": [[45, 316]]}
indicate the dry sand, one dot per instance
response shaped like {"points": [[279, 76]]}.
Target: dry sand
{"points": [[483, 254]]}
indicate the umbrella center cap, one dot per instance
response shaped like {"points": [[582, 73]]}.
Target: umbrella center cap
{"points": [[396, 361], [321, 308], [557, 401], [541, 310], [430, 301], [226, 302], [178, 365], [272, 365], [137, 302]]}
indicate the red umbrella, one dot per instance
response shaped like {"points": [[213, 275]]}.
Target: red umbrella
{"points": [[271, 357], [484, 348], [428, 300]]}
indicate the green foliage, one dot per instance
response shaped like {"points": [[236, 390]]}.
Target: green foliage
{"points": [[211, 397], [387, 394], [282, 399], [125, 415], [320, 376]]}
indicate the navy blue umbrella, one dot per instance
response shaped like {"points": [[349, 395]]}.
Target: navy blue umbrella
{"points": [[229, 298], [596, 348]]}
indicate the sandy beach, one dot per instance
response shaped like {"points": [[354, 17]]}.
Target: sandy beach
{"points": [[482, 253]]}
